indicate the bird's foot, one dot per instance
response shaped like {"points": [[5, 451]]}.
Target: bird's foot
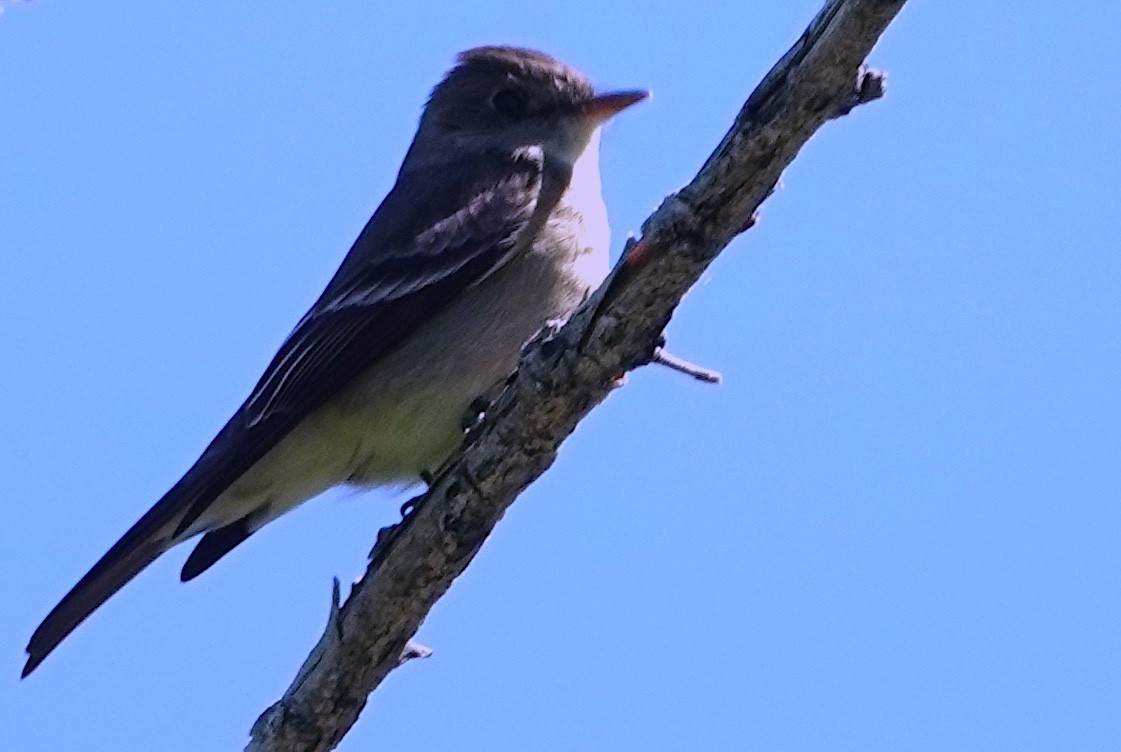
{"points": [[475, 414], [388, 534]]}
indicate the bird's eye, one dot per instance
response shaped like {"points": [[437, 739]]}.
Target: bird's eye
{"points": [[508, 102]]}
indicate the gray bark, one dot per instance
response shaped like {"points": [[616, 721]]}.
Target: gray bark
{"points": [[565, 372]]}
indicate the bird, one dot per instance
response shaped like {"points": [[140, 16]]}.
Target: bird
{"points": [[494, 226]]}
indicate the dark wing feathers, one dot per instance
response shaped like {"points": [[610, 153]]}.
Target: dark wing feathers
{"points": [[213, 546], [428, 241], [439, 231]]}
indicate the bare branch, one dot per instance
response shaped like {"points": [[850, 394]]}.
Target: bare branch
{"points": [[566, 371], [674, 363]]}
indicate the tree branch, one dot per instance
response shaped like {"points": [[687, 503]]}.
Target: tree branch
{"points": [[567, 370]]}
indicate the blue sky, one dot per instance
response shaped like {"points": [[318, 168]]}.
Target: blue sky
{"points": [[894, 526]]}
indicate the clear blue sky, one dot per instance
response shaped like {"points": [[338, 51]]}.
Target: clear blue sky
{"points": [[894, 527]]}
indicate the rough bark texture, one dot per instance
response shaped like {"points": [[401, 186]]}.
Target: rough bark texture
{"points": [[565, 372]]}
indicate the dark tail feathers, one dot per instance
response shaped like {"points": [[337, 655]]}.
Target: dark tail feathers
{"points": [[136, 549]]}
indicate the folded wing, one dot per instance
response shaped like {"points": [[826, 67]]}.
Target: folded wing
{"points": [[439, 231]]}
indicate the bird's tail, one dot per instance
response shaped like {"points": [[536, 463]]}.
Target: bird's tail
{"points": [[140, 546]]}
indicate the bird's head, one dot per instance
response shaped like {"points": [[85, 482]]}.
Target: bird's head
{"points": [[514, 97]]}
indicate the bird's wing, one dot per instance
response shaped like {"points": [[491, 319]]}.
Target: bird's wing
{"points": [[439, 231], [433, 237]]}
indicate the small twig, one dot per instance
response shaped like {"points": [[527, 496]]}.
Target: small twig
{"points": [[700, 373], [414, 650]]}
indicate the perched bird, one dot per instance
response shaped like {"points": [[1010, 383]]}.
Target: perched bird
{"points": [[495, 225]]}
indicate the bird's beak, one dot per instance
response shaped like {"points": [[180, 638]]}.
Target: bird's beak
{"points": [[605, 106]]}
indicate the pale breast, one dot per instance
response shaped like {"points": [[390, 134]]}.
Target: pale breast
{"points": [[409, 410], [405, 415]]}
